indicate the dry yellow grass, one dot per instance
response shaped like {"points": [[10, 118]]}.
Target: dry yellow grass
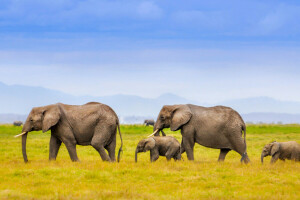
{"points": [[93, 179]]}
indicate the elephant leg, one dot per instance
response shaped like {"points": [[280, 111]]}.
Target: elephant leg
{"points": [[154, 158], [223, 153], [154, 155], [98, 145], [71, 147], [111, 148], [239, 146], [177, 156], [188, 145], [54, 146], [274, 158], [182, 149], [102, 136], [293, 157], [170, 154], [101, 150]]}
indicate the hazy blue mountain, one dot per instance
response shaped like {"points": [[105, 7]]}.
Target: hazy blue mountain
{"points": [[263, 104], [10, 118], [271, 118], [19, 99]]}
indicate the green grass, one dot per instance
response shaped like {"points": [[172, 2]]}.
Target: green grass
{"points": [[91, 178]]}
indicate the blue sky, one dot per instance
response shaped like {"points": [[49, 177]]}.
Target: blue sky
{"points": [[202, 50]]}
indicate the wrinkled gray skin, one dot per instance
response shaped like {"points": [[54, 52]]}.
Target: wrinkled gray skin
{"points": [[149, 122], [18, 123], [281, 150], [159, 146], [215, 127], [93, 124]]}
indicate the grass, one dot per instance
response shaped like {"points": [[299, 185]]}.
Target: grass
{"points": [[91, 178]]}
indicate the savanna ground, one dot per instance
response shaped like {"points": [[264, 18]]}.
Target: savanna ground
{"points": [[91, 178]]}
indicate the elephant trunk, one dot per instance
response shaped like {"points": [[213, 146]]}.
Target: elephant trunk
{"points": [[136, 152], [262, 158], [155, 129], [159, 128], [24, 138]]}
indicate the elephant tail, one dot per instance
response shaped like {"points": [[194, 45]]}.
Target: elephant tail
{"points": [[121, 147], [245, 157], [244, 130]]}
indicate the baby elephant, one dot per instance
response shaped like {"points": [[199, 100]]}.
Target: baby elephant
{"points": [[159, 146], [281, 150]]}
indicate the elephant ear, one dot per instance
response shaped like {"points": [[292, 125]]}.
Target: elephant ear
{"points": [[51, 117], [275, 148], [149, 144], [181, 115]]}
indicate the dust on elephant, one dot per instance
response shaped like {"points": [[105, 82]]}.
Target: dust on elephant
{"points": [[216, 127], [159, 146], [92, 124], [281, 150]]}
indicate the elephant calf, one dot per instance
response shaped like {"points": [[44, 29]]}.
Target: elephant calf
{"points": [[159, 146], [281, 150]]}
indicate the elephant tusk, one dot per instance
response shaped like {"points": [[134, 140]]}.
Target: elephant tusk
{"points": [[153, 133], [20, 134]]}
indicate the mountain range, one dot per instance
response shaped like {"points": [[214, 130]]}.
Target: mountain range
{"points": [[16, 102]]}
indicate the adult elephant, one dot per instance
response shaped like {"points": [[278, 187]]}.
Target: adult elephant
{"points": [[93, 124], [215, 127], [149, 122], [18, 123]]}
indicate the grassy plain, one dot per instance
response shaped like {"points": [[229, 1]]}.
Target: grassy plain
{"points": [[91, 178]]}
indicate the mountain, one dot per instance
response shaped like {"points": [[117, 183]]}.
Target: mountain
{"points": [[127, 105], [263, 104], [10, 118], [19, 100], [271, 118]]}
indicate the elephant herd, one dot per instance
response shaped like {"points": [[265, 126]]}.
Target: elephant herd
{"points": [[97, 124]]}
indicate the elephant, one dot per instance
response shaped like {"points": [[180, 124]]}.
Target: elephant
{"points": [[18, 123], [159, 146], [281, 150], [149, 122], [92, 124], [216, 127]]}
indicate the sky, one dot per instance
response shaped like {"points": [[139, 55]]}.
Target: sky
{"points": [[209, 51]]}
